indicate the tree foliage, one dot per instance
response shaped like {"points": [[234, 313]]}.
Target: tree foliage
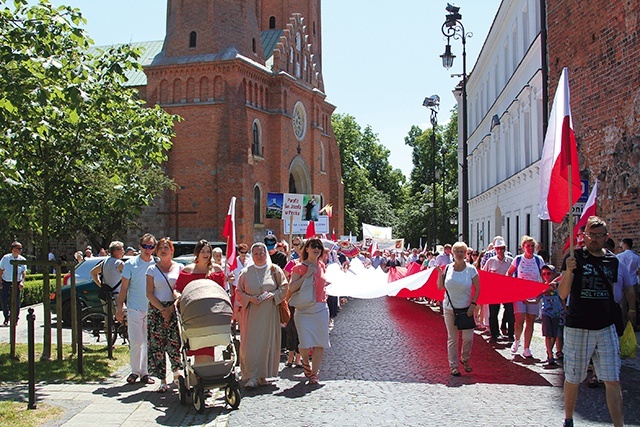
{"points": [[80, 151], [373, 188]]}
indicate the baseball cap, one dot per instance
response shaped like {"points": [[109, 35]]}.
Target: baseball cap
{"points": [[270, 241]]}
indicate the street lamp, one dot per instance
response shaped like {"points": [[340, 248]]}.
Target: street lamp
{"points": [[453, 28], [433, 103]]}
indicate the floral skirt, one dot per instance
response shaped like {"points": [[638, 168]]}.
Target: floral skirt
{"points": [[162, 339]]}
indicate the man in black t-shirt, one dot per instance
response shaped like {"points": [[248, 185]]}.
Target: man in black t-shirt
{"points": [[278, 258], [590, 332]]}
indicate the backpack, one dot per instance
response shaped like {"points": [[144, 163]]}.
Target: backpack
{"points": [[106, 291], [538, 258]]}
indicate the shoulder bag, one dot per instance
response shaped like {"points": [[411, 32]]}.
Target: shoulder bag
{"points": [[283, 307], [305, 296], [462, 320]]}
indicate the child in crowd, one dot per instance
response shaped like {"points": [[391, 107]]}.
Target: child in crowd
{"points": [[553, 309]]}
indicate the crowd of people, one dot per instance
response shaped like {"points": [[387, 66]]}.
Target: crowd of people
{"points": [[580, 308]]}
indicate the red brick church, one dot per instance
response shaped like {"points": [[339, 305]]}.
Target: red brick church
{"points": [[246, 78]]}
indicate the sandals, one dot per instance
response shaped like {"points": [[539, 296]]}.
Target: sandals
{"points": [[147, 380], [313, 379], [455, 372], [132, 378], [163, 388], [307, 369], [467, 367]]}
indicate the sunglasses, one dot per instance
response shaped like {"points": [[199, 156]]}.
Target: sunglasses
{"points": [[316, 246], [18, 248], [243, 252], [475, 254], [148, 246]]}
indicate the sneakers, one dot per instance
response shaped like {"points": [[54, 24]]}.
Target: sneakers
{"points": [[550, 362], [514, 347], [527, 353]]}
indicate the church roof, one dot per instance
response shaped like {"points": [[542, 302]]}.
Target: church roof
{"points": [[150, 49]]}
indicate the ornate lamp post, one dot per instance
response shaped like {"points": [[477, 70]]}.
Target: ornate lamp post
{"points": [[453, 28], [433, 103]]}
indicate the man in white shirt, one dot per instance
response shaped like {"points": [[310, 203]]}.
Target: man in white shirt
{"points": [[500, 264], [631, 261], [445, 257], [134, 289], [6, 271]]}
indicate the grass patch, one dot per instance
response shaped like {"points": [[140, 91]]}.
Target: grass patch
{"points": [[97, 366], [16, 414]]}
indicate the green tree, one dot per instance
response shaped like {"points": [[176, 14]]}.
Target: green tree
{"points": [[72, 129], [433, 185], [373, 190]]}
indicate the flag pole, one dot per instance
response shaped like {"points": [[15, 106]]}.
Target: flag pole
{"points": [[571, 244], [290, 236]]}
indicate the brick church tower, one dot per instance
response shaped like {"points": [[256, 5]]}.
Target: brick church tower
{"points": [[246, 78]]}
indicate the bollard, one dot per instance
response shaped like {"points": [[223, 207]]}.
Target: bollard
{"points": [[79, 337], [31, 321]]}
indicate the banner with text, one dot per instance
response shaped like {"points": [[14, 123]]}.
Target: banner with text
{"points": [[300, 227], [302, 207], [369, 230]]}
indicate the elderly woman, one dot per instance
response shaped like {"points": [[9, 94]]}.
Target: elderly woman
{"points": [[162, 321], [460, 280], [312, 320], [261, 287]]}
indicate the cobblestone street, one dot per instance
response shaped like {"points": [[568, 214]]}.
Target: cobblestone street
{"points": [[387, 366]]}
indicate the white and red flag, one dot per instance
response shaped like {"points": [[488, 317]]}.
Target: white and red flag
{"points": [[229, 231], [559, 169], [589, 210], [373, 248], [333, 235]]}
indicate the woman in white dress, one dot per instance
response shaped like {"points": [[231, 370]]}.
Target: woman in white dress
{"points": [[312, 319]]}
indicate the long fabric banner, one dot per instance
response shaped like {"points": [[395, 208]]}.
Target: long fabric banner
{"points": [[360, 282]]}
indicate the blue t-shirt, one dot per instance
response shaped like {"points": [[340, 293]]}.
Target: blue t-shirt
{"points": [[552, 305], [135, 269]]}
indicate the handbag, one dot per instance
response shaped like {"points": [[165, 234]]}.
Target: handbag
{"points": [[305, 296], [283, 307], [106, 292], [462, 320]]}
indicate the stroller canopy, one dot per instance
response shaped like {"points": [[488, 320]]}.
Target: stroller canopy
{"points": [[205, 303]]}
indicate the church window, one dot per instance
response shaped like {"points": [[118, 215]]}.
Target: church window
{"points": [[272, 22], [322, 169], [298, 42], [291, 54], [253, 44], [257, 205], [256, 146], [299, 121], [192, 40], [314, 28]]}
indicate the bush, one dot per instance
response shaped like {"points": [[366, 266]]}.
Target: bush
{"points": [[32, 293]]}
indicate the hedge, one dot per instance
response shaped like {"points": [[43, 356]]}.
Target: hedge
{"points": [[32, 293]]}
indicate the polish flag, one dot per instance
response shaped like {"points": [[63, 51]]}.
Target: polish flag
{"points": [[559, 155], [589, 210], [229, 231], [373, 248], [311, 230]]}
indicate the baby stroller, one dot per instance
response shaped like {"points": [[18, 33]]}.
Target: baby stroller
{"points": [[204, 320]]}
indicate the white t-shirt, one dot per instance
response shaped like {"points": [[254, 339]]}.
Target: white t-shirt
{"points": [[135, 269], [528, 268], [7, 268], [459, 286], [163, 288]]}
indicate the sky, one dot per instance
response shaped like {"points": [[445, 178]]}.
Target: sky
{"points": [[380, 58]]}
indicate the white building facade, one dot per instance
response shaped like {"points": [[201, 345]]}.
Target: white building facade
{"points": [[505, 116]]}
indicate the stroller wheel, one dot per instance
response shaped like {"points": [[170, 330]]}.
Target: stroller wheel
{"points": [[232, 396], [182, 390], [198, 399]]}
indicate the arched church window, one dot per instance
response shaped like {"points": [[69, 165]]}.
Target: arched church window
{"points": [[272, 22], [257, 205], [322, 169], [256, 146], [192, 39], [253, 44], [298, 42]]}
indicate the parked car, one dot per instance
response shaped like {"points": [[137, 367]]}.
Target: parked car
{"points": [[86, 290]]}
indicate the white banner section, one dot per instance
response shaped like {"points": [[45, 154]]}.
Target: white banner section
{"points": [[300, 227]]}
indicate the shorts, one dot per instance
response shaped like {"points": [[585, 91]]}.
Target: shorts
{"points": [[526, 307], [602, 346], [552, 326]]}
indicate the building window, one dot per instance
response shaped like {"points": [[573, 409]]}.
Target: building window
{"points": [[257, 205], [299, 121], [192, 40], [322, 169], [272, 22], [256, 146], [253, 44]]}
